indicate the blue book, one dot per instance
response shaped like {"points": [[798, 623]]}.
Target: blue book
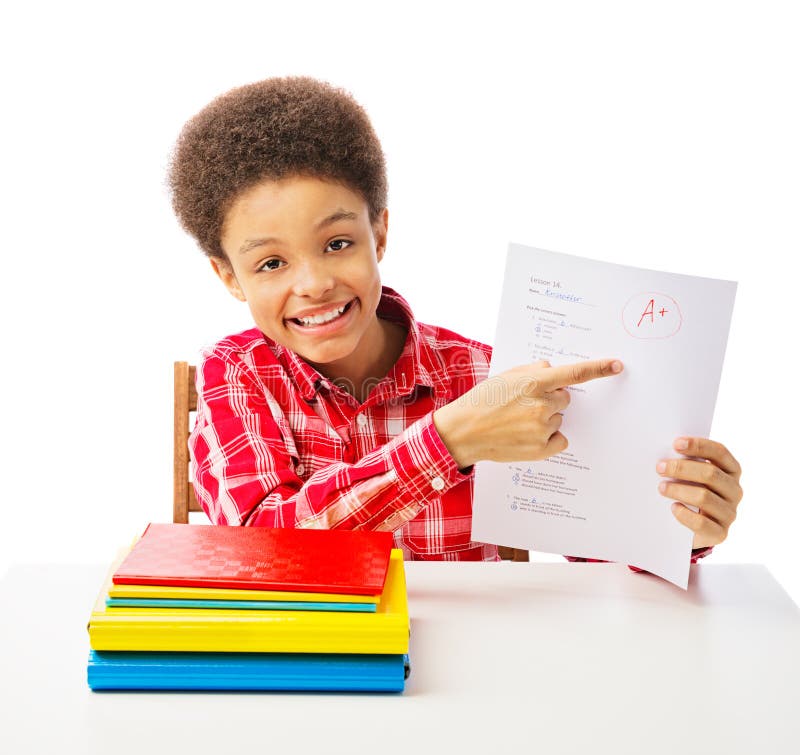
{"points": [[120, 670], [264, 605]]}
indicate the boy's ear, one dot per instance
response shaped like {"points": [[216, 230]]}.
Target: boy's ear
{"points": [[380, 230], [225, 273]]}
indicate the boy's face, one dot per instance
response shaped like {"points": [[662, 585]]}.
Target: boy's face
{"points": [[304, 256]]}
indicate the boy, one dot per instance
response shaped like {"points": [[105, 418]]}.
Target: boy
{"points": [[339, 409]]}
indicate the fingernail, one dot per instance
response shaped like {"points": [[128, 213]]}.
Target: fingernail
{"points": [[616, 367], [662, 486], [661, 466], [682, 444]]}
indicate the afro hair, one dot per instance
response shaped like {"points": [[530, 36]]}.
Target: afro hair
{"points": [[269, 130]]}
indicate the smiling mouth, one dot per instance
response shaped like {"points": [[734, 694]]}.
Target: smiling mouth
{"points": [[334, 314]]}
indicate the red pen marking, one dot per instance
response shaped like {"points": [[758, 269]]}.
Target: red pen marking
{"points": [[648, 311], [666, 327]]}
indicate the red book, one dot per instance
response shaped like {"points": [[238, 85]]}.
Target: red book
{"points": [[352, 562]]}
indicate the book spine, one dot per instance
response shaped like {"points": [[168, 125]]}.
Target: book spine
{"points": [[164, 634], [245, 671]]}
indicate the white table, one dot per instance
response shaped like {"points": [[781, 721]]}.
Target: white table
{"points": [[552, 658]]}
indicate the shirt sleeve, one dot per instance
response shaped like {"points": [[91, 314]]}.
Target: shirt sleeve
{"points": [[697, 554], [243, 462]]}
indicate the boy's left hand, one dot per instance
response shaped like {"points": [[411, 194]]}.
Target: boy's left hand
{"points": [[709, 480]]}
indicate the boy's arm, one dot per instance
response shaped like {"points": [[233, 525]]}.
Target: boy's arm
{"points": [[245, 473]]}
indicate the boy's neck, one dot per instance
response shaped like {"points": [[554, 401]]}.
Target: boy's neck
{"points": [[362, 370]]}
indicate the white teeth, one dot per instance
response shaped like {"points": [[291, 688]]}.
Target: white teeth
{"points": [[319, 319]]}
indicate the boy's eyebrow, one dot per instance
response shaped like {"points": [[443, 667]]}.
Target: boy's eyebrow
{"points": [[340, 214], [334, 217]]}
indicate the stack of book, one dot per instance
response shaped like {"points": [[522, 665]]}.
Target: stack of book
{"points": [[238, 608]]}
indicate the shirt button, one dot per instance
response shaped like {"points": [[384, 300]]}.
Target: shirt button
{"points": [[299, 469], [362, 420], [437, 483]]}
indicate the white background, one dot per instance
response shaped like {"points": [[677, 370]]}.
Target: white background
{"points": [[661, 135]]}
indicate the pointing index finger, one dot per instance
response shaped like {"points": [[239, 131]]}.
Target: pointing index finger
{"points": [[580, 372]]}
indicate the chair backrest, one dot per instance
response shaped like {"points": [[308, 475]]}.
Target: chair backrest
{"points": [[184, 499], [513, 554]]}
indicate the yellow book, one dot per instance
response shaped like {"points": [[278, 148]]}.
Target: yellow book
{"points": [[218, 593], [222, 630]]}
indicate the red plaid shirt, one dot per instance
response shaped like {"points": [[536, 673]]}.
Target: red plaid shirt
{"points": [[277, 444]]}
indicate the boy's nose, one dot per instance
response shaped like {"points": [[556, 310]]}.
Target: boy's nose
{"points": [[312, 280]]}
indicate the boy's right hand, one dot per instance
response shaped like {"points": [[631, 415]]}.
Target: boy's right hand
{"points": [[515, 416]]}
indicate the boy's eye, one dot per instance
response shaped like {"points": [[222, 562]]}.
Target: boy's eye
{"points": [[339, 242], [272, 264]]}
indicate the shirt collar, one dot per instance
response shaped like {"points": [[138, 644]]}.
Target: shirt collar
{"points": [[415, 365], [306, 378]]}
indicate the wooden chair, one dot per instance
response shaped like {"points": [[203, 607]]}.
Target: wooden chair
{"points": [[184, 499]]}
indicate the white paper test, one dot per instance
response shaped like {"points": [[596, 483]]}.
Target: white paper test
{"points": [[599, 498]]}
